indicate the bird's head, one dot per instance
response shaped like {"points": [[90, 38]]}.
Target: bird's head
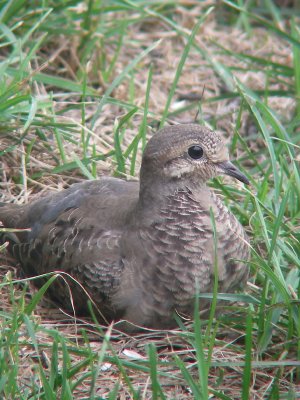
{"points": [[187, 152]]}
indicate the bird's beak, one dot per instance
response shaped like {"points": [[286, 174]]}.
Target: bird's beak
{"points": [[229, 169]]}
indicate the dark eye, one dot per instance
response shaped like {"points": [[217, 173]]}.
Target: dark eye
{"points": [[195, 152]]}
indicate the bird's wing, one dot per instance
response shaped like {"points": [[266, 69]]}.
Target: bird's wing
{"points": [[75, 245], [77, 233]]}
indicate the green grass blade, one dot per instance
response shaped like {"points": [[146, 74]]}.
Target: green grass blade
{"points": [[119, 79], [181, 65], [248, 359]]}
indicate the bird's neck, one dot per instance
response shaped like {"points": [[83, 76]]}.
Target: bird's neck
{"points": [[157, 195]]}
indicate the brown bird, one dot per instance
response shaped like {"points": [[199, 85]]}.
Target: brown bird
{"points": [[139, 249]]}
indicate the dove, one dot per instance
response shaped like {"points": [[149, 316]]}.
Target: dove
{"points": [[141, 250]]}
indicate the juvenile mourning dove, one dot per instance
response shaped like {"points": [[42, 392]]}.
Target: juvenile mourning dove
{"points": [[140, 249]]}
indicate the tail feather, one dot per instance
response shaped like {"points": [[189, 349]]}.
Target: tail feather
{"points": [[10, 215], [7, 236]]}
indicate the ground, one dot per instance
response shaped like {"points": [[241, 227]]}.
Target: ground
{"points": [[93, 92]]}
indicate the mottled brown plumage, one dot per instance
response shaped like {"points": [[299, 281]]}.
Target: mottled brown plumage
{"points": [[139, 249]]}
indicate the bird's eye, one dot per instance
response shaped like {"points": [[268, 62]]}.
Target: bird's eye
{"points": [[195, 152]]}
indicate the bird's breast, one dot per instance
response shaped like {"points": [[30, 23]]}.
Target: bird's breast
{"points": [[178, 247], [171, 257]]}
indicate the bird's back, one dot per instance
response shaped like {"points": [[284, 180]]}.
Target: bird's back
{"points": [[100, 199]]}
